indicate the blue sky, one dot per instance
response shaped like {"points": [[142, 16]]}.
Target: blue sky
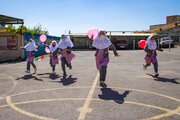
{"points": [[80, 15]]}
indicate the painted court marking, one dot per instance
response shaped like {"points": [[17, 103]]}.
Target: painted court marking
{"points": [[169, 113], [143, 76], [158, 94], [79, 99], [12, 105], [172, 112], [85, 109], [93, 99], [12, 88]]}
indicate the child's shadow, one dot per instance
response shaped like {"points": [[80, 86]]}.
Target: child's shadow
{"points": [[162, 79], [109, 94], [68, 80], [51, 76], [30, 76], [54, 76]]}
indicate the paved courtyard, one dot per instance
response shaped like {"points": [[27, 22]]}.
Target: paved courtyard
{"points": [[131, 92]]}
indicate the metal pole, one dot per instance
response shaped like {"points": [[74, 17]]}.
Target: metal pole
{"points": [[133, 44], [22, 41], [110, 36], [169, 43], [158, 42]]}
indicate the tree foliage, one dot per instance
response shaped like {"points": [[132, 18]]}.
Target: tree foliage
{"points": [[36, 29]]}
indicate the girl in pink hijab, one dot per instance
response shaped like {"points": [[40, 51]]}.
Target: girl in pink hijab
{"points": [[31, 48], [150, 48], [65, 46], [102, 45], [53, 55]]}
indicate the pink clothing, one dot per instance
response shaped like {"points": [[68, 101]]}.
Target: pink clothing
{"points": [[68, 56], [30, 57], [54, 60], [151, 57], [100, 60]]}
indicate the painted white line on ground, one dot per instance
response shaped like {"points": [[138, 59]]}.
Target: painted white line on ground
{"points": [[10, 104], [85, 109], [170, 113], [9, 91]]}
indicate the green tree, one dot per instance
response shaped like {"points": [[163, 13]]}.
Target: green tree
{"points": [[36, 29], [39, 30]]}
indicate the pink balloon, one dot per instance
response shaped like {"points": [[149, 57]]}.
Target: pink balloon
{"points": [[93, 32], [47, 50], [43, 38]]}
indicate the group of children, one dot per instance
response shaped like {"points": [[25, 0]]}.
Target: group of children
{"points": [[102, 45], [63, 48]]}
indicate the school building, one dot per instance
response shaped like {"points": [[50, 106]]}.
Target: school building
{"points": [[10, 42], [171, 28], [81, 40]]}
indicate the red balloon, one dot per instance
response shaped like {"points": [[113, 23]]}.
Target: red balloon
{"points": [[142, 43]]}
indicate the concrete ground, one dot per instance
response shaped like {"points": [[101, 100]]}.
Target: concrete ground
{"points": [[131, 92]]}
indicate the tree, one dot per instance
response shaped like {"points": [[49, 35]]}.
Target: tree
{"points": [[36, 29], [39, 30]]}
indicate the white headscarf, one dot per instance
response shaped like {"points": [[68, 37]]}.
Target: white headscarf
{"points": [[51, 48], [66, 43], [31, 46], [101, 44], [151, 46]]}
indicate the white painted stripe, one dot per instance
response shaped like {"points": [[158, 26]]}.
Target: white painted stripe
{"points": [[85, 108], [10, 104], [9, 91]]}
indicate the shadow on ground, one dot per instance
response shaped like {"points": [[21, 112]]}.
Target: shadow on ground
{"points": [[109, 94], [29, 76], [66, 80], [163, 79], [51, 76]]}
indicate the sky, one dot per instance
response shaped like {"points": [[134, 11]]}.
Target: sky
{"points": [[78, 16]]}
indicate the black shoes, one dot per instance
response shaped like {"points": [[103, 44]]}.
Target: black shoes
{"points": [[102, 84]]}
